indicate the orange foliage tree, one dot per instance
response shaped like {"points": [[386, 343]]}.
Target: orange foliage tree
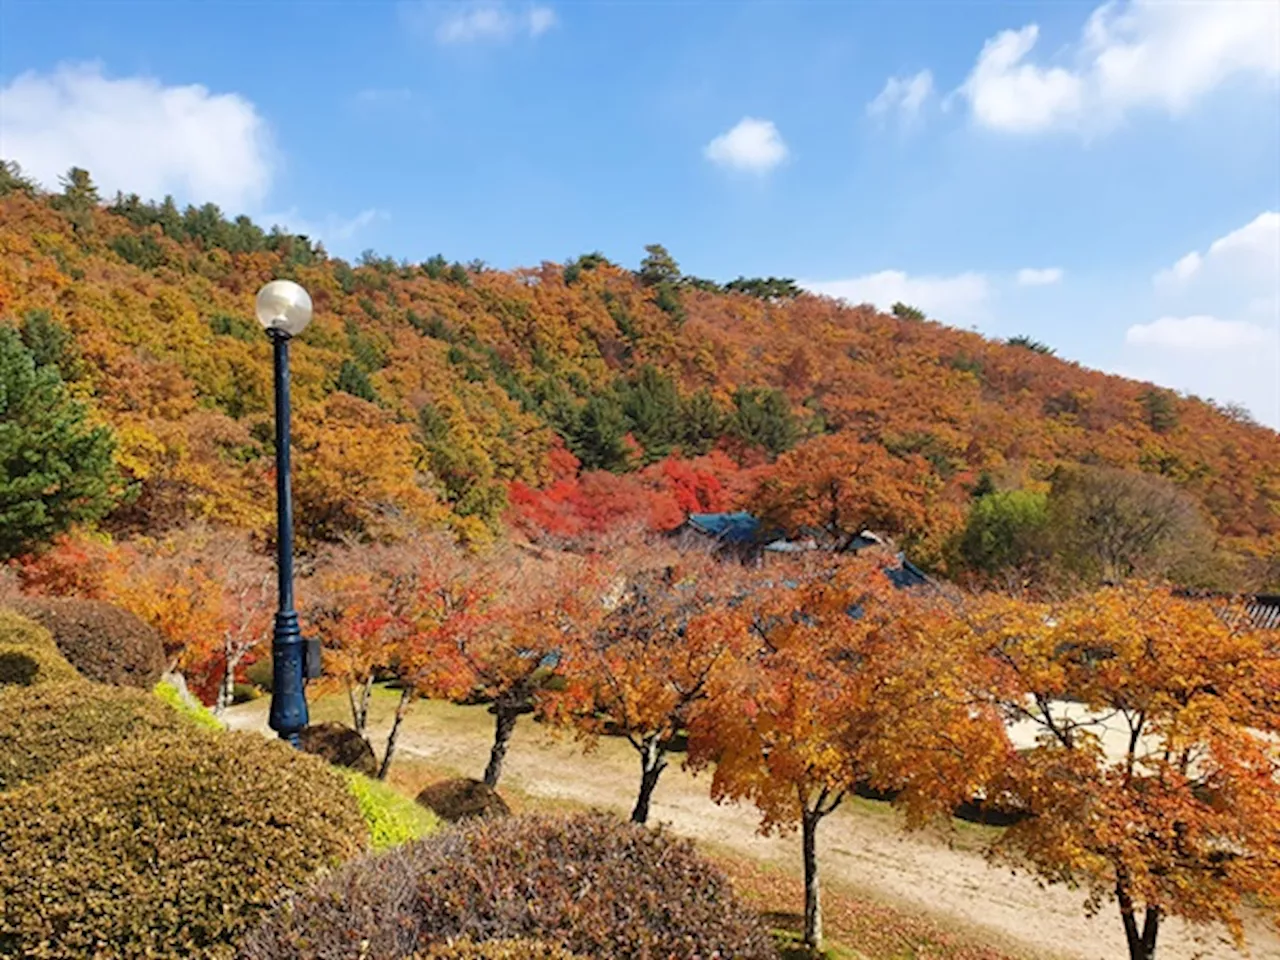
{"points": [[515, 648], [838, 486], [1152, 778], [851, 684], [644, 671]]}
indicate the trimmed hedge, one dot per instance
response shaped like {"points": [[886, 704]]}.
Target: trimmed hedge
{"points": [[392, 817], [28, 655], [499, 950], [48, 726], [200, 715], [591, 884], [341, 746], [102, 641], [463, 799], [168, 846]]}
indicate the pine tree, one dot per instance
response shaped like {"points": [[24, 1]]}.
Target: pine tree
{"points": [[55, 469]]}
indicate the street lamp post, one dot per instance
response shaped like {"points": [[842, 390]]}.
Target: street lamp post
{"points": [[284, 310]]}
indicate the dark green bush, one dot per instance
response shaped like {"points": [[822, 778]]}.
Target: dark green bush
{"points": [[340, 746], [499, 950], [49, 726], [28, 656], [101, 641], [166, 847], [463, 799], [591, 884]]}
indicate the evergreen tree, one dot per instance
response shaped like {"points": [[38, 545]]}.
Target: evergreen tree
{"points": [[12, 180], [50, 343], [702, 422], [658, 267], [55, 469], [353, 380], [600, 441], [651, 403], [763, 418]]}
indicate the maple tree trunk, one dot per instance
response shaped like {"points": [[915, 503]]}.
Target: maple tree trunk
{"points": [[504, 726], [401, 709], [360, 705], [652, 763], [812, 895], [227, 687], [1142, 943]]}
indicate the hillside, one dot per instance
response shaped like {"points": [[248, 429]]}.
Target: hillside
{"points": [[558, 398]]}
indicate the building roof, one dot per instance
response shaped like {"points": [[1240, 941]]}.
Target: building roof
{"points": [[740, 527], [744, 529]]}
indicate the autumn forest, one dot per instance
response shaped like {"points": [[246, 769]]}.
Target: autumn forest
{"points": [[486, 468]]}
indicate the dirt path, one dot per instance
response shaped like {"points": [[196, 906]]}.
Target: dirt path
{"points": [[860, 846]]}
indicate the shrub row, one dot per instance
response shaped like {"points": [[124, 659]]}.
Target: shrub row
{"points": [[28, 655], [499, 950], [102, 641], [46, 727], [589, 884], [166, 846]]}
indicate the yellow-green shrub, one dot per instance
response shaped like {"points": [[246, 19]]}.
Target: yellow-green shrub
{"points": [[167, 846], [392, 817], [197, 714], [28, 655], [45, 727], [499, 950]]}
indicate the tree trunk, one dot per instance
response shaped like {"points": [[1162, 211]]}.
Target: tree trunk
{"points": [[359, 697], [226, 689], [406, 697], [1142, 943], [504, 726], [812, 894], [652, 763]]}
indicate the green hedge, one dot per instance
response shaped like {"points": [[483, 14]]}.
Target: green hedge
{"points": [[392, 817], [197, 714], [46, 727], [167, 846]]}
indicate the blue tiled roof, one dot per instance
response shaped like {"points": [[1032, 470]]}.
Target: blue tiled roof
{"points": [[738, 527], [744, 528]]}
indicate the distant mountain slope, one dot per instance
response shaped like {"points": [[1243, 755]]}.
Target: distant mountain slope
{"points": [[425, 391]]}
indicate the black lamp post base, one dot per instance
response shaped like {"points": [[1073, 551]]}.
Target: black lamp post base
{"points": [[288, 700]]}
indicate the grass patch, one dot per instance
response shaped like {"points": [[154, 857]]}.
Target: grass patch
{"points": [[857, 928]]}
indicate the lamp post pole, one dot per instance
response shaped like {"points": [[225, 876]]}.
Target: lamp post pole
{"points": [[284, 309]]}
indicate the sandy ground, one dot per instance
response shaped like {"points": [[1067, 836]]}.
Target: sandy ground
{"points": [[860, 845]]}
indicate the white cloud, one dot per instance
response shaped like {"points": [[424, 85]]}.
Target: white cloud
{"points": [[1141, 54], [903, 96], [333, 230], [951, 299], [475, 21], [1220, 332], [1007, 94], [1250, 252], [138, 136], [1039, 276], [753, 145], [1199, 332]]}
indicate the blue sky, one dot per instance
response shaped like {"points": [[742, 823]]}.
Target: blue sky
{"points": [[1033, 168]]}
